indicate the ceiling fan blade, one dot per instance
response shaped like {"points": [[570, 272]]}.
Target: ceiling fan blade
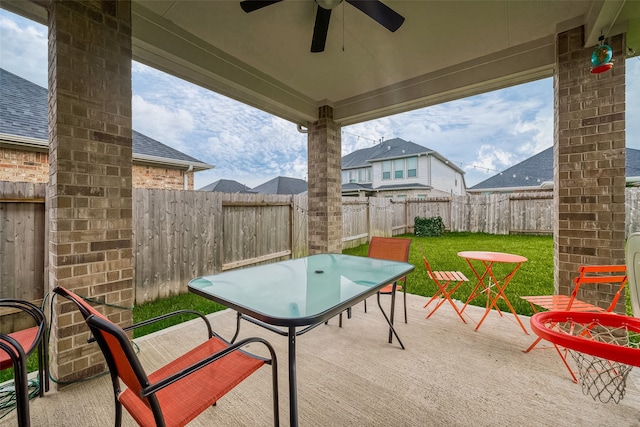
{"points": [[379, 12], [320, 30], [251, 5]]}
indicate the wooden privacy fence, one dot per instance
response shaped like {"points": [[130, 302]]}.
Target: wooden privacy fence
{"points": [[179, 235], [22, 243]]}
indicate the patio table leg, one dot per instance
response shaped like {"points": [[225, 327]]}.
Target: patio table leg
{"points": [[293, 386], [391, 328]]}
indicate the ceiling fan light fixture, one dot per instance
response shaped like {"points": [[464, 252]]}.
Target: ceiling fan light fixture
{"points": [[328, 4]]}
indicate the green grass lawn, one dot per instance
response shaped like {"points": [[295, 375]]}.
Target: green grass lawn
{"points": [[535, 277]]}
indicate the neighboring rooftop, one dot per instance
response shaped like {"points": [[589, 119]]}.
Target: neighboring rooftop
{"points": [[536, 172], [282, 185], [392, 149], [226, 186], [24, 121]]}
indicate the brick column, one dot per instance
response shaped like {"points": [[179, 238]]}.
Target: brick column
{"points": [[589, 163], [89, 195], [325, 184]]}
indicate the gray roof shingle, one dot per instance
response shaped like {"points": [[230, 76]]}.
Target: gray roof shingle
{"points": [[282, 185], [226, 186], [24, 112], [393, 148], [142, 144], [23, 107], [537, 169]]}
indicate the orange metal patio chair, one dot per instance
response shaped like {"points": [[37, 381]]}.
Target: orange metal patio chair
{"points": [[599, 275], [391, 249], [17, 345], [448, 282], [178, 392], [12, 354]]}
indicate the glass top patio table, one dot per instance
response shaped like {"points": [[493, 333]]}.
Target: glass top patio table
{"points": [[303, 292]]}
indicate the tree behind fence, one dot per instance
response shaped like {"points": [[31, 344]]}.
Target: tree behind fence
{"points": [[179, 235]]}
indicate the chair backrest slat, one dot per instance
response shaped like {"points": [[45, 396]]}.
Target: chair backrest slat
{"points": [[597, 274], [389, 248]]}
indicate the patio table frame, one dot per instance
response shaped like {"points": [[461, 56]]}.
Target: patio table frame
{"points": [[487, 280], [232, 289]]}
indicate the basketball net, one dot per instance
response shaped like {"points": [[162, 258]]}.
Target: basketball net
{"points": [[602, 379]]}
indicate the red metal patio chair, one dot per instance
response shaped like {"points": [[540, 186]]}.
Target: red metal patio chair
{"points": [[178, 392], [28, 340], [391, 249], [12, 352]]}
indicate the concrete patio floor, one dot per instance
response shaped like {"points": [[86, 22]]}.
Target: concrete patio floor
{"points": [[449, 375]]}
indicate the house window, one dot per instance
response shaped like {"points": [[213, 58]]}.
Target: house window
{"points": [[398, 168], [412, 167], [422, 196], [386, 169]]}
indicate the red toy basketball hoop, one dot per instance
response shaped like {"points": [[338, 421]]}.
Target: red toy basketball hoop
{"points": [[605, 347]]}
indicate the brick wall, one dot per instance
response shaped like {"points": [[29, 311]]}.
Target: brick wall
{"points": [[325, 184], [589, 163], [33, 166], [23, 166], [159, 177], [89, 189]]}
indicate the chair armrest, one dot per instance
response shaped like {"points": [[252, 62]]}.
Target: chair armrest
{"points": [[25, 306], [154, 388], [12, 347], [166, 316]]}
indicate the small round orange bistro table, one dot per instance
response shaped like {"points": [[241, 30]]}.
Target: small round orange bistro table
{"points": [[487, 279]]}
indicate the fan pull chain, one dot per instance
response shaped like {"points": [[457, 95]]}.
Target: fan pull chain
{"points": [[343, 26]]}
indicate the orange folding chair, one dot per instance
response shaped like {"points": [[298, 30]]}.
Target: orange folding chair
{"points": [[612, 275], [448, 282]]}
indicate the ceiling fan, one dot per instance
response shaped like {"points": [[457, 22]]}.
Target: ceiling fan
{"points": [[375, 9]]}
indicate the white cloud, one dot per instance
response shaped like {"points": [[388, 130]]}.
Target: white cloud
{"points": [[23, 50], [633, 102], [162, 122], [245, 144]]}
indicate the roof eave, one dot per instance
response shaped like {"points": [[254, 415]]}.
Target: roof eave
{"points": [[508, 189], [24, 142], [178, 164]]}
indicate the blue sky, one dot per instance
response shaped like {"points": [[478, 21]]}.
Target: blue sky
{"points": [[483, 134]]}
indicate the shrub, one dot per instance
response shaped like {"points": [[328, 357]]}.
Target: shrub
{"points": [[428, 227]]}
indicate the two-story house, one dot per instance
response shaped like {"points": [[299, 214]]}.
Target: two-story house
{"points": [[400, 169]]}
